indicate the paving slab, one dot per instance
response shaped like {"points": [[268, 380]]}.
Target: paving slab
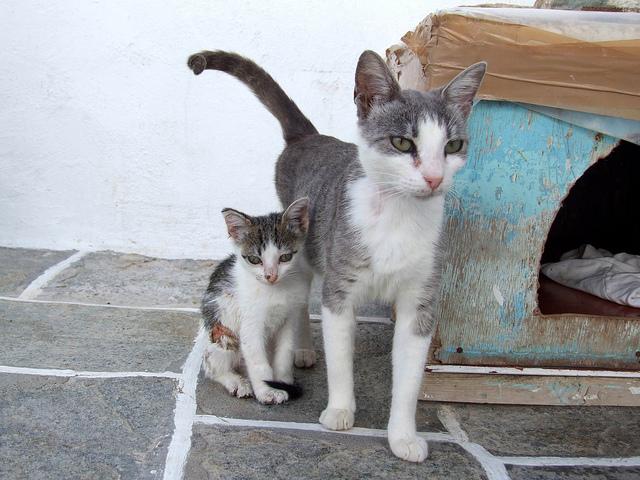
{"points": [[226, 453], [552, 431], [84, 428], [572, 473], [372, 385], [42, 335], [132, 280], [21, 266]]}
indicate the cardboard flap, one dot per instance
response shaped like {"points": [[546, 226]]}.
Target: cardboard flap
{"points": [[583, 61]]}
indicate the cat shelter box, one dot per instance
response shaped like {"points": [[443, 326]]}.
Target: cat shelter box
{"points": [[553, 169]]}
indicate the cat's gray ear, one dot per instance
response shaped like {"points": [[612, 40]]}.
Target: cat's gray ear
{"points": [[461, 91], [297, 215], [374, 83], [237, 223]]}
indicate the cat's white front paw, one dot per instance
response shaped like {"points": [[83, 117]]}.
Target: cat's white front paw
{"points": [[238, 387], [337, 418], [272, 396], [304, 358], [412, 449], [244, 389]]}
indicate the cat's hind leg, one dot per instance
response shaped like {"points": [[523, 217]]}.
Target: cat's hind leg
{"points": [[283, 353], [220, 365], [304, 354]]}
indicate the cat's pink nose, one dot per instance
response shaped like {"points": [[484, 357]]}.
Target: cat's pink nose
{"points": [[271, 277], [433, 182]]}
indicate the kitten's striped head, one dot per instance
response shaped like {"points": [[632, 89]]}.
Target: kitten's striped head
{"points": [[268, 245]]}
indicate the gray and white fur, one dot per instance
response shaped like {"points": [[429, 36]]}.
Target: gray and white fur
{"points": [[254, 300], [376, 216]]}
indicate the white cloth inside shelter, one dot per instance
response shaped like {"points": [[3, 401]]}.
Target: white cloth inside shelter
{"points": [[600, 273]]}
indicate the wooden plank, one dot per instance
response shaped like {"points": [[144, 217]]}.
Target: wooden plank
{"points": [[530, 390], [529, 371]]}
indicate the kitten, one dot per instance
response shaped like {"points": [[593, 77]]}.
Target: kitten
{"points": [[251, 304], [377, 212]]}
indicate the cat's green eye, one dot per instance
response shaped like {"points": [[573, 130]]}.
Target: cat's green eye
{"points": [[286, 257], [403, 144], [453, 146], [253, 260]]}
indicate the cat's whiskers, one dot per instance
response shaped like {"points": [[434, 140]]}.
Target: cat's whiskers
{"points": [[391, 193]]}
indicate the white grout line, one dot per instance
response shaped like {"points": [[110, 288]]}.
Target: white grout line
{"points": [[104, 305], [447, 417], [493, 467], [310, 427], [545, 372], [314, 317], [185, 411], [571, 461], [53, 372], [34, 288]]}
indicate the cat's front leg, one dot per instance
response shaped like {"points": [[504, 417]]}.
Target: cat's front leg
{"points": [[411, 340], [219, 365], [338, 332], [253, 345]]}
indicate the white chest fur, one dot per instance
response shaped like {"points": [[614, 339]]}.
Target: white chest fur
{"points": [[257, 301], [399, 234]]}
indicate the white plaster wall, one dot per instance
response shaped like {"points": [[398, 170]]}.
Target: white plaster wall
{"points": [[108, 141]]}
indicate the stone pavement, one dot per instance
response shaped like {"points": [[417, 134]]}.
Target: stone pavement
{"points": [[99, 378]]}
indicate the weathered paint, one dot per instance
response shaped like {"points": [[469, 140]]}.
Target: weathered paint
{"points": [[521, 165]]}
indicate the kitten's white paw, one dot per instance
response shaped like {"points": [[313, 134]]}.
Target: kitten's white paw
{"points": [[272, 396], [244, 389], [240, 388], [410, 449], [337, 418], [304, 358]]}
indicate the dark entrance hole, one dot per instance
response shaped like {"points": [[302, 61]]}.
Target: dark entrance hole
{"points": [[603, 210]]}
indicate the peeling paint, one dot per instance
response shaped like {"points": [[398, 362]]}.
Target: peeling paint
{"points": [[498, 295], [490, 236]]}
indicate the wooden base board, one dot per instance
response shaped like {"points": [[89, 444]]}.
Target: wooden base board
{"points": [[530, 389]]}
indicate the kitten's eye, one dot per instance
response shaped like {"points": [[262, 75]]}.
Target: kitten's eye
{"points": [[286, 257], [253, 260], [453, 146], [403, 144]]}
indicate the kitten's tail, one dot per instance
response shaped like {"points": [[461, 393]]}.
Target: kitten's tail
{"points": [[294, 390], [293, 122]]}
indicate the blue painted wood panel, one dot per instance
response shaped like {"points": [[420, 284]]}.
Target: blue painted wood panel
{"points": [[521, 165]]}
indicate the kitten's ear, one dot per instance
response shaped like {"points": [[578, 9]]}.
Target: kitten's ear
{"points": [[237, 223], [297, 215], [374, 83], [461, 91]]}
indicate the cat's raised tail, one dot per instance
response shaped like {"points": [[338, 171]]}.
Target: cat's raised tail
{"points": [[293, 122]]}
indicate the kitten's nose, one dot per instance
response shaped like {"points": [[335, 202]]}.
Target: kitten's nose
{"points": [[271, 277], [433, 182]]}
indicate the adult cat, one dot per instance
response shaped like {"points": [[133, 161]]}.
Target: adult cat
{"points": [[375, 222]]}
